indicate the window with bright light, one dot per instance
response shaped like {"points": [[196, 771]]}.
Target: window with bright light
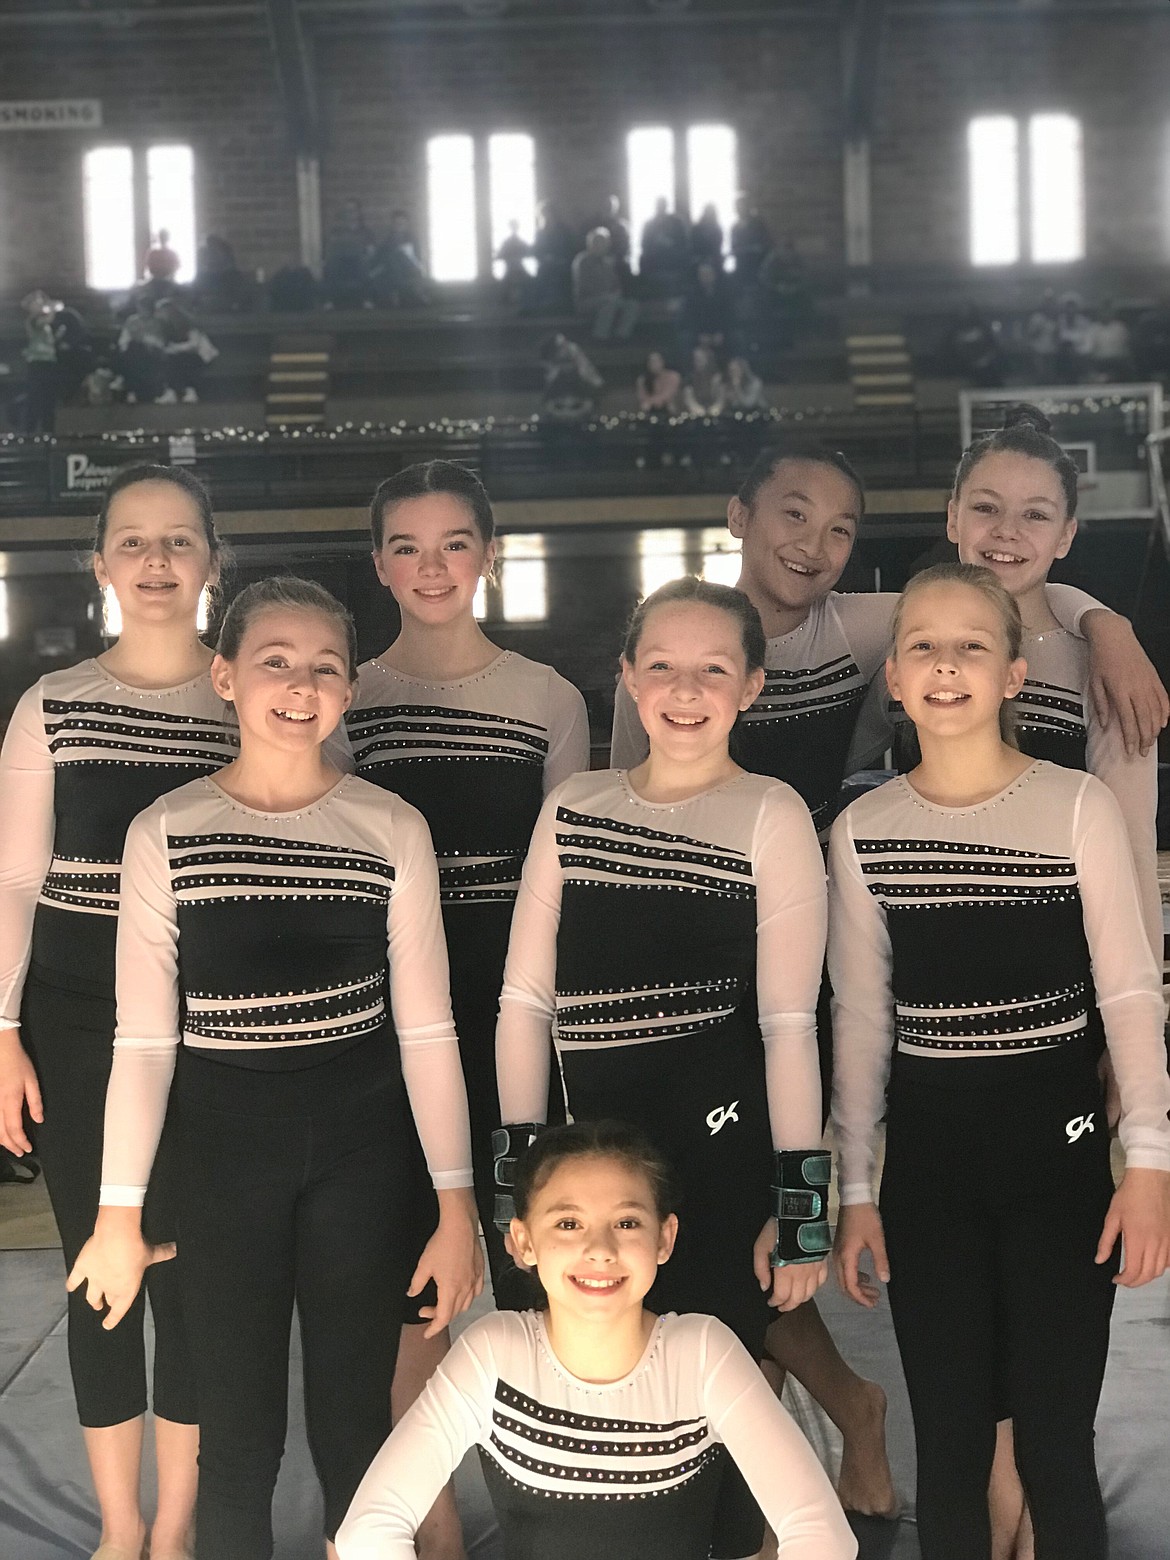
{"points": [[712, 173], [108, 215], [512, 183], [479, 601], [650, 164], [722, 558], [111, 613], [1056, 187], [170, 202], [993, 162], [662, 556], [451, 208]]}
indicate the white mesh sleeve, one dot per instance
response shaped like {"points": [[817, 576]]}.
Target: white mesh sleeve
{"points": [[528, 999], [867, 618], [1068, 606], [629, 744], [860, 964], [777, 1462], [1128, 982], [420, 999], [27, 776], [874, 732], [791, 913], [1134, 783], [422, 1453], [568, 732], [147, 1033]]}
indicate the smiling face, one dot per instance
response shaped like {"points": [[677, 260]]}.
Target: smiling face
{"points": [[797, 536], [289, 680], [594, 1236], [432, 557], [689, 679], [1011, 517], [951, 667], [155, 554]]}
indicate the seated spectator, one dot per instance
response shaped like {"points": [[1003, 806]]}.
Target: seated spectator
{"points": [[706, 316], [162, 264], [141, 356], [220, 286], [293, 289], [707, 238], [751, 240], [187, 352], [39, 410], [745, 388], [705, 392], [346, 273], [1074, 340], [666, 252], [553, 248], [597, 290], [516, 282], [1110, 351], [659, 388], [973, 351], [74, 344], [397, 278], [619, 235], [571, 382], [1041, 336]]}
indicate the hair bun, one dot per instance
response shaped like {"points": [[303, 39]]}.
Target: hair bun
{"points": [[1024, 415]]}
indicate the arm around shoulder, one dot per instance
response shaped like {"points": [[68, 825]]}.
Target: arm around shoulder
{"points": [[568, 732]]}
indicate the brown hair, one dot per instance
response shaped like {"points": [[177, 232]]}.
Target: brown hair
{"points": [[1025, 431], [591, 1140], [708, 594], [284, 590]]}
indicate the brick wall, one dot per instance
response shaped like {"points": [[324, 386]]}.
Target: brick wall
{"points": [[578, 91]]}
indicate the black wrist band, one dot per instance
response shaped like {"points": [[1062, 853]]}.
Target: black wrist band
{"points": [[800, 1205], [508, 1143]]}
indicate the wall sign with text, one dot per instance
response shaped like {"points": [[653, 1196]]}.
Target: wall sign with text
{"points": [[52, 114]]}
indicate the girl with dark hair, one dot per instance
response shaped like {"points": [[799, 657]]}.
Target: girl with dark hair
{"points": [[985, 926], [87, 749], [797, 514], [475, 737], [586, 1409], [281, 961], [669, 917]]}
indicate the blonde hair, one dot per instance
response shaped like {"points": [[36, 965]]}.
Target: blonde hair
{"points": [[976, 578]]}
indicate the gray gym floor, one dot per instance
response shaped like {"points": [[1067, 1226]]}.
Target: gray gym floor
{"points": [[47, 1512]]}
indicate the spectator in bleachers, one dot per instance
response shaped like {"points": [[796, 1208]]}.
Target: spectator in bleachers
{"points": [[141, 356], [973, 351], [751, 239], [1041, 334], [571, 382], [516, 283], [783, 281], [187, 352], [619, 235], [666, 252], [705, 393], [659, 388], [597, 290], [346, 273], [38, 413], [220, 286], [1110, 349], [554, 249], [707, 238], [745, 388], [706, 316], [162, 264], [74, 344], [397, 278], [1074, 340]]}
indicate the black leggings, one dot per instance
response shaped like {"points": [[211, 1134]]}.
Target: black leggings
{"points": [[995, 1188], [292, 1191], [68, 1029]]}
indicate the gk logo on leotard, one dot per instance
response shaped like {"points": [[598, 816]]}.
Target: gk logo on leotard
{"points": [[1079, 1125], [720, 1116]]}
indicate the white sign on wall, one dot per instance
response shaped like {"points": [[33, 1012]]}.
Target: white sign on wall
{"points": [[52, 114]]}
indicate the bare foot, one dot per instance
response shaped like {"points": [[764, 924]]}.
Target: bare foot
{"points": [[866, 1484]]}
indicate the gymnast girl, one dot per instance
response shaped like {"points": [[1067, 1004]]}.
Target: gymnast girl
{"points": [[797, 515], [601, 1425], [474, 737], [985, 921], [87, 749], [669, 917], [281, 959]]}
